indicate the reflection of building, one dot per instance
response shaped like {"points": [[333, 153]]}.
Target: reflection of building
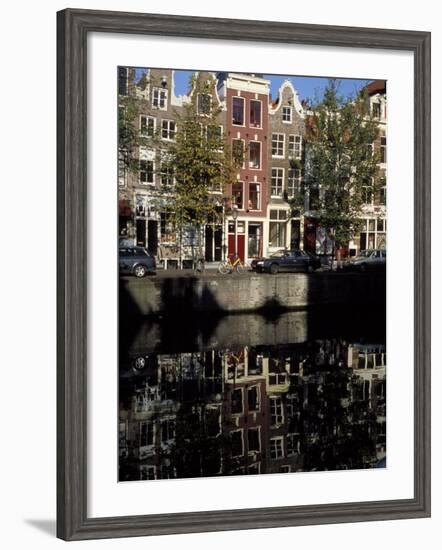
{"points": [[312, 406]]}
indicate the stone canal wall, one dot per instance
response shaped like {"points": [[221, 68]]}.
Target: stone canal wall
{"points": [[246, 293]]}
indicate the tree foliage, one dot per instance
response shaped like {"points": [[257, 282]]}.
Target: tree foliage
{"points": [[342, 166]]}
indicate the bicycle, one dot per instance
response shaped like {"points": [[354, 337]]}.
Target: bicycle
{"points": [[229, 267]]}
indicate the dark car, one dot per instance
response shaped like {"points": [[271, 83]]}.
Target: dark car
{"points": [[136, 260], [367, 260], [287, 260]]}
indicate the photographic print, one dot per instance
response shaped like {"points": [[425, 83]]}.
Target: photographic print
{"points": [[252, 244]]}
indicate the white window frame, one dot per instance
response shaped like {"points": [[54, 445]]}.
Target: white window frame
{"points": [[140, 170], [258, 393], [160, 91], [283, 115], [272, 194], [293, 182], [243, 99], [242, 194], [258, 207], [260, 102], [260, 154], [295, 151], [275, 156], [168, 121], [242, 402]]}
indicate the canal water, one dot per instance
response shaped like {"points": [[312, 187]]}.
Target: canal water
{"points": [[252, 394]]}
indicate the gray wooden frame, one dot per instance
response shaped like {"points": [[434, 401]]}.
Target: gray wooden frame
{"points": [[73, 27]]}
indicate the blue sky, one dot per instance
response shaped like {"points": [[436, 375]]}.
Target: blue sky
{"points": [[308, 87]]}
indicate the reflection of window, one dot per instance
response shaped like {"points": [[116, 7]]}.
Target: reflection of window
{"points": [[146, 433], [254, 196], [237, 401], [238, 152], [276, 447], [237, 443], [204, 104], [293, 444], [146, 171], [238, 111], [278, 145], [255, 155], [295, 146], [147, 472], [253, 440], [276, 411], [255, 113], [168, 129], [253, 399], [287, 114], [277, 378], [167, 430], [159, 98], [277, 182], [238, 194], [147, 125]]}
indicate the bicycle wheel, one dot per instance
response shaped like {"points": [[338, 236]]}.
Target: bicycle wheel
{"points": [[224, 268], [241, 268]]}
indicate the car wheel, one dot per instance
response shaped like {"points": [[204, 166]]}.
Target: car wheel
{"points": [[274, 268], [310, 268], [140, 271]]}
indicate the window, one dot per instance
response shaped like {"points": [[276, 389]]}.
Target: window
{"points": [[122, 80], [277, 236], [253, 440], [278, 145], [204, 104], [383, 149], [255, 196], [238, 111], [279, 378], [368, 193], [238, 194], [146, 171], [147, 472], [295, 147], [167, 430], [276, 447], [166, 173], [237, 401], [255, 155], [147, 125], [237, 443], [287, 114], [168, 129], [293, 181], [376, 110], [293, 444], [159, 98], [215, 135], [253, 399], [255, 113], [276, 411], [238, 152], [167, 229], [277, 182], [146, 434]]}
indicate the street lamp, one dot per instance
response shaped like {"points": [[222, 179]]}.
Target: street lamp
{"points": [[235, 217]]}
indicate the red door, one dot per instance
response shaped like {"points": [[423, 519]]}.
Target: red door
{"points": [[240, 245]]}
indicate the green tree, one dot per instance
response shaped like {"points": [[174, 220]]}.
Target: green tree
{"points": [[341, 165], [201, 164]]}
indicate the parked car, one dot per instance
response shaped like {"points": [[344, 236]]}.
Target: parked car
{"points": [[367, 260], [287, 260], [136, 260]]}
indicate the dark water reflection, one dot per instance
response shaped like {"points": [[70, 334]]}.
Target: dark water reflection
{"points": [[249, 395]]}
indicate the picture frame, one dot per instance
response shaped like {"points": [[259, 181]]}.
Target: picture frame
{"points": [[73, 26]]}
